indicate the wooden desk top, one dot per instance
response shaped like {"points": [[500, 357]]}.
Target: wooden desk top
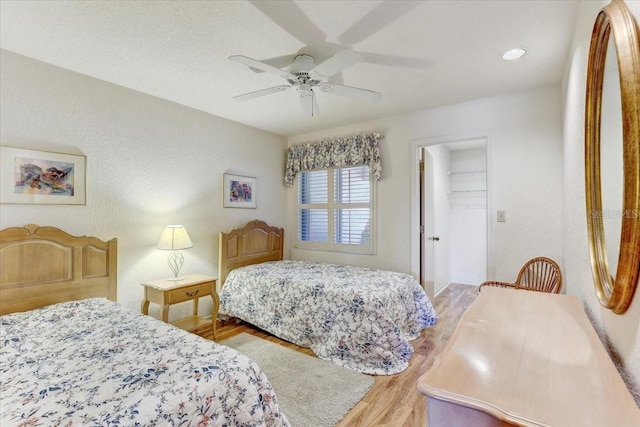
{"points": [[532, 359]]}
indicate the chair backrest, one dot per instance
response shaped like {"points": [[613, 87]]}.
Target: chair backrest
{"points": [[540, 274]]}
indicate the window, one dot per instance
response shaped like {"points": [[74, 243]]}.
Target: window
{"points": [[335, 210]]}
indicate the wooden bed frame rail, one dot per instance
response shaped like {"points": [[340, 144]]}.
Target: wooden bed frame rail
{"points": [[40, 266]]}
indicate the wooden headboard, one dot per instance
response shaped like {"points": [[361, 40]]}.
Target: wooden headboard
{"points": [[254, 243], [40, 266]]}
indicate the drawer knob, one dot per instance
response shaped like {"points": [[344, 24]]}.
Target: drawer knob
{"points": [[194, 293]]}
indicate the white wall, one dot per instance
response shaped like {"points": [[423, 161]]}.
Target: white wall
{"points": [[468, 246], [149, 163], [469, 160], [468, 217], [525, 160], [621, 331]]}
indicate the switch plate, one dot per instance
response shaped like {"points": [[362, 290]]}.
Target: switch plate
{"points": [[502, 216]]}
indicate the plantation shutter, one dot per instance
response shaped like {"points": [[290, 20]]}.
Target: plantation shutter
{"points": [[352, 197], [313, 212], [335, 210]]}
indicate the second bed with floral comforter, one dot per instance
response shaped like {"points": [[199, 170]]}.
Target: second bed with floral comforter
{"points": [[359, 318], [95, 363]]}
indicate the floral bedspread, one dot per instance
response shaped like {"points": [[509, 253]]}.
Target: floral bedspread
{"points": [[359, 318], [95, 363]]}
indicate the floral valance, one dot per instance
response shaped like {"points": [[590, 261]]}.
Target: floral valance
{"points": [[356, 150]]}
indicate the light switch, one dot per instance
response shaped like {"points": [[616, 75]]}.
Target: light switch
{"points": [[502, 216]]}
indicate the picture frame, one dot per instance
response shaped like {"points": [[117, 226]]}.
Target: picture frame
{"points": [[239, 191], [38, 177]]}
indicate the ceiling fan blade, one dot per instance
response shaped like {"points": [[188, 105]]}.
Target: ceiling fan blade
{"points": [[278, 62], [338, 62], [379, 17], [308, 102], [262, 92], [261, 66], [292, 19], [350, 92]]}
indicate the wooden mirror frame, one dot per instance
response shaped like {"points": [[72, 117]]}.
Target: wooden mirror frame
{"points": [[614, 293]]}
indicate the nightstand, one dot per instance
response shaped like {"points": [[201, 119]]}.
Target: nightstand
{"points": [[194, 286]]}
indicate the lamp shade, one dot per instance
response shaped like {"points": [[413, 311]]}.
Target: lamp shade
{"points": [[173, 238]]}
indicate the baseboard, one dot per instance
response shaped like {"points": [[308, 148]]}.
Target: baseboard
{"points": [[457, 283], [437, 292]]}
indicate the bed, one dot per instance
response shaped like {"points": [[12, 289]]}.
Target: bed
{"points": [[359, 318], [71, 355]]}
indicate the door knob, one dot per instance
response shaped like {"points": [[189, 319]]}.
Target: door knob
{"points": [[435, 238]]}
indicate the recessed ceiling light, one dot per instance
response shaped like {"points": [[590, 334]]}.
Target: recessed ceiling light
{"points": [[513, 54]]}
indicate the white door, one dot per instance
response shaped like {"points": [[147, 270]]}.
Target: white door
{"points": [[427, 224]]}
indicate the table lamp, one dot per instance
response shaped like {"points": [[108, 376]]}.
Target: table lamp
{"points": [[174, 238]]}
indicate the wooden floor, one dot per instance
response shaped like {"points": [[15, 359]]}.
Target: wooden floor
{"points": [[394, 400]]}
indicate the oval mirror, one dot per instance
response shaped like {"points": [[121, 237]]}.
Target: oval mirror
{"points": [[611, 160], [612, 146]]}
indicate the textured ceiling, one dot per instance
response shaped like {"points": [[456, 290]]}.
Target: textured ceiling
{"points": [[419, 54]]}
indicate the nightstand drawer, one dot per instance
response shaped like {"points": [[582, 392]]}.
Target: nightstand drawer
{"points": [[185, 294]]}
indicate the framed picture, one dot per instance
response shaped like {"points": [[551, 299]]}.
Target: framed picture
{"points": [[42, 177], [239, 191]]}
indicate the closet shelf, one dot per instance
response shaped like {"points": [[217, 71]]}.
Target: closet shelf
{"points": [[468, 206], [466, 191], [469, 173]]}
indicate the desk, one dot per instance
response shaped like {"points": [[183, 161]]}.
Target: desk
{"points": [[191, 288], [526, 358]]}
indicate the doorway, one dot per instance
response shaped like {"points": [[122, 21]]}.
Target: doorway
{"points": [[451, 213]]}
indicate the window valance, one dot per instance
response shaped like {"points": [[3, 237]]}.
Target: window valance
{"points": [[356, 150]]}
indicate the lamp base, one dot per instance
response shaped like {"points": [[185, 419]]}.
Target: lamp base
{"points": [[176, 279], [175, 262]]}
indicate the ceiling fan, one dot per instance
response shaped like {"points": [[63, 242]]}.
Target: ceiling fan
{"points": [[305, 76]]}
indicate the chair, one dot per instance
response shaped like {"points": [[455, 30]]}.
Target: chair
{"points": [[538, 274]]}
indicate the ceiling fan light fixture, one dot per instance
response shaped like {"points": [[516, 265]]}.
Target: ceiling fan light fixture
{"points": [[305, 89], [513, 54], [304, 59]]}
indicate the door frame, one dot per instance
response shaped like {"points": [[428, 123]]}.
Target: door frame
{"points": [[415, 146]]}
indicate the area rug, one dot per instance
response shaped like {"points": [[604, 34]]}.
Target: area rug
{"points": [[312, 392]]}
